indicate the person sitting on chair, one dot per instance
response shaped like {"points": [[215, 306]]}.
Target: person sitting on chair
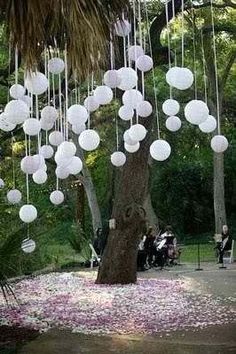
{"points": [[226, 243]]}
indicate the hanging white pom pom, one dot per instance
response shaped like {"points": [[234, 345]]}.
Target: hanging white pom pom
{"points": [[17, 91], [170, 107], [129, 78], [75, 165], [28, 213], [27, 100], [126, 112], [127, 138], [40, 176], [36, 83], [61, 160], [91, 104], [112, 78], [196, 112], [132, 98], [173, 123], [28, 245], [67, 149], [219, 143], [172, 75], [89, 140], [103, 94], [135, 51], [78, 128], [49, 112], [132, 148], [56, 138], [30, 164], [46, 151], [57, 197], [17, 111], [14, 196], [118, 158], [144, 63], [62, 172], [77, 114], [209, 125], [4, 124], [144, 109], [32, 126], [122, 28], [47, 124], [2, 184], [160, 150], [180, 78], [56, 65], [137, 132]]}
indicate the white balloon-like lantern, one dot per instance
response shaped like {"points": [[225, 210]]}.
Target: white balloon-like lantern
{"points": [[36, 83], [30, 164], [40, 176], [112, 78], [17, 111], [28, 213], [67, 149], [28, 245], [132, 148], [78, 128], [56, 197], [118, 158], [144, 63], [127, 138], [132, 98], [129, 78], [135, 51], [196, 112], [91, 103], [77, 114], [89, 140], [14, 196], [17, 91], [219, 143], [173, 123], [126, 113], [49, 112], [170, 107], [2, 184], [46, 151], [144, 109], [103, 94], [27, 100], [56, 138], [209, 125], [62, 172], [122, 28], [4, 124], [47, 123], [61, 160], [75, 165], [137, 132], [56, 65], [180, 78], [160, 150], [32, 126]]}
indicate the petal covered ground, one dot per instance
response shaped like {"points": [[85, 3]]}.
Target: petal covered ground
{"points": [[74, 301]]}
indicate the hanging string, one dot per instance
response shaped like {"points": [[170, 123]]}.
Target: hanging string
{"points": [[88, 123], [27, 176], [216, 70], [194, 56], [124, 52], [37, 117], [153, 74], [140, 25], [135, 53], [173, 16], [204, 68], [13, 161], [48, 76], [60, 105], [117, 126], [66, 95], [16, 65], [182, 27], [129, 61], [168, 42], [111, 51], [9, 71]]}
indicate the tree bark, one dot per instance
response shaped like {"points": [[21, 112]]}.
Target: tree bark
{"points": [[219, 192], [151, 217]]}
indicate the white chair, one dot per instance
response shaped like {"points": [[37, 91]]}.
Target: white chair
{"points": [[94, 256], [229, 255]]}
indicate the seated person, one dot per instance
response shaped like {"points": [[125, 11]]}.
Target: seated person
{"points": [[226, 243], [142, 254]]}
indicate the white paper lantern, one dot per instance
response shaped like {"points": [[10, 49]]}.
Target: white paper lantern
{"points": [[132, 148], [75, 165], [160, 150], [28, 245], [28, 213], [56, 138], [17, 91], [46, 151], [36, 83], [47, 124], [137, 132], [173, 123], [32, 126], [103, 94], [112, 78], [78, 128], [2, 184], [171, 107], [196, 112], [135, 51], [67, 149], [30, 164], [129, 78], [126, 112], [40, 176], [27, 100], [17, 111], [89, 140], [57, 197], [91, 104], [49, 112], [77, 114], [118, 158], [172, 75], [56, 65], [39, 160], [62, 172], [127, 138], [132, 98], [185, 79], [144, 109], [14, 196], [4, 124], [144, 63], [219, 143], [61, 160], [122, 28], [209, 125]]}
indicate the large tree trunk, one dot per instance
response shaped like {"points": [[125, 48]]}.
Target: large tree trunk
{"points": [[219, 192], [151, 217]]}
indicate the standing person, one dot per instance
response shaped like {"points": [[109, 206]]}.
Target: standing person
{"points": [[149, 246], [226, 243], [142, 255]]}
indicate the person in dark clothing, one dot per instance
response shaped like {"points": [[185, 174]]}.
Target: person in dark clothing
{"points": [[149, 246], [226, 243], [142, 255]]}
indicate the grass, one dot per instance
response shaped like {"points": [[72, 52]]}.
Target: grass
{"points": [[190, 253]]}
